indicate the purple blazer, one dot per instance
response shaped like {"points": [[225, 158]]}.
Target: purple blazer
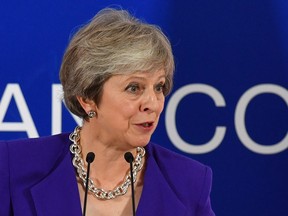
{"points": [[38, 178]]}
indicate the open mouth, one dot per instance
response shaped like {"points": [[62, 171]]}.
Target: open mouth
{"points": [[147, 124]]}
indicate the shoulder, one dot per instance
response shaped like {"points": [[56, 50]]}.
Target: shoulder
{"points": [[175, 162], [29, 145], [34, 153], [26, 162], [182, 173], [59, 138]]}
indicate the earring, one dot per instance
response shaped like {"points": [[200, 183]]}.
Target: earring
{"points": [[91, 114]]}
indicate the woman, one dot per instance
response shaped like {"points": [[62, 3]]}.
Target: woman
{"points": [[115, 74]]}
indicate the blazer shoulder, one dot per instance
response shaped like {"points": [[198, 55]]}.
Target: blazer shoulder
{"points": [[35, 156], [41, 145], [196, 178], [175, 161], [56, 139]]}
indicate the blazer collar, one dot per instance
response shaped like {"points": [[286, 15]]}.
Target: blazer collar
{"points": [[158, 198], [58, 194]]}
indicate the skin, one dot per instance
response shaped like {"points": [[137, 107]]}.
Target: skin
{"points": [[126, 118]]}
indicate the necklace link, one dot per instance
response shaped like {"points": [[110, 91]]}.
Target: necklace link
{"points": [[99, 193]]}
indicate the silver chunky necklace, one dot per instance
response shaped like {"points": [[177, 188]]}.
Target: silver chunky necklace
{"points": [[78, 163]]}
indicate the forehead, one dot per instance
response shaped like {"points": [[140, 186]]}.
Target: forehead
{"points": [[158, 74]]}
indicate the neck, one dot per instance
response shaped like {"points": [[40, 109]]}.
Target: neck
{"points": [[109, 167]]}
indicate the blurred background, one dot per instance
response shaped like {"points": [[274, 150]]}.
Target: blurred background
{"points": [[228, 108]]}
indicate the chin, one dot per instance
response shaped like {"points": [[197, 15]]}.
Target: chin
{"points": [[141, 142]]}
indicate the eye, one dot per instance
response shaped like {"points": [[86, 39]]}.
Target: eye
{"points": [[132, 88], [160, 88]]}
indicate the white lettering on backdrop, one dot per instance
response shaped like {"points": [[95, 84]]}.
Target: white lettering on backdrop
{"points": [[56, 124], [170, 119], [27, 125], [239, 119]]}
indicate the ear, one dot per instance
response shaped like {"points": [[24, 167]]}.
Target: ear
{"points": [[86, 104]]}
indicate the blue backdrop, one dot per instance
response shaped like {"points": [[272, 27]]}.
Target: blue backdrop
{"points": [[229, 104]]}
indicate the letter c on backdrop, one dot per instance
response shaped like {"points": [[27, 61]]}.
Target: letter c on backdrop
{"points": [[170, 119]]}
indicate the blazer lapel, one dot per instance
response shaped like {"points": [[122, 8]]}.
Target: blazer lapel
{"points": [[58, 194], [158, 198]]}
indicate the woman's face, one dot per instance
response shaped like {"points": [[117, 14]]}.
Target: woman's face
{"points": [[130, 108]]}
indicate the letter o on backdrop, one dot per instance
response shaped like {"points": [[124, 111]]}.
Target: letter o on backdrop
{"points": [[240, 119]]}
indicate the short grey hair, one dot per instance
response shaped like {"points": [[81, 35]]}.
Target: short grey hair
{"points": [[113, 42]]}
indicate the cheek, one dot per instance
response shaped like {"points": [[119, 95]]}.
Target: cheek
{"points": [[128, 109], [161, 105]]}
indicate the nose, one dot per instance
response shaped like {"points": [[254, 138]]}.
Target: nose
{"points": [[151, 102]]}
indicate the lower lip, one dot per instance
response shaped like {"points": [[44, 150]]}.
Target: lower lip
{"points": [[147, 129]]}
